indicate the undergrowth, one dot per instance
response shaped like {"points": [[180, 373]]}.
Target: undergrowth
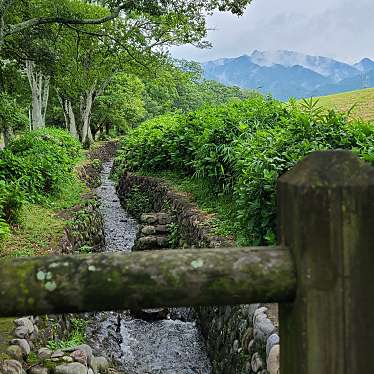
{"points": [[216, 204], [76, 336]]}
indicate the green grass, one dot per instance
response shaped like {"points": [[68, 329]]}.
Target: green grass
{"points": [[362, 99], [6, 327], [219, 208], [39, 233], [42, 227]]}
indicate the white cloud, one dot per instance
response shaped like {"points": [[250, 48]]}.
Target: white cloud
{"points": [[336, 28]]}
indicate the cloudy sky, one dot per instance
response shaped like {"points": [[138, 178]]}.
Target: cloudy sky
{"points": [[343, 29]]}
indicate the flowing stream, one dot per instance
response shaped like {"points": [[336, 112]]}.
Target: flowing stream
{"points": [[173, 345]]}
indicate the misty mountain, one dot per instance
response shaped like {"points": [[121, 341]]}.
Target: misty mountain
{"points": [[365, 65], [286, 74], [346, 85]]}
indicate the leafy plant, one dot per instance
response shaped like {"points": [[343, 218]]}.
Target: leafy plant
{"points": [[4, 230], [138, 202], [174, 235], [85, 249], [40, 162], [76, 337]]}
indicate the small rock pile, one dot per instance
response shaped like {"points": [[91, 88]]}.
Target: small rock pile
{"points": [[76, 360], [154, 231], [25, 333], [247, 334]]}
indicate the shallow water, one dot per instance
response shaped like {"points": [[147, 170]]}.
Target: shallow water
{"points": [[168, 346]]}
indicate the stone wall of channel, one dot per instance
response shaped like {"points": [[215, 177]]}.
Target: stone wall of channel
{"points": [[32, 349], [240, 339], [84, 231]]}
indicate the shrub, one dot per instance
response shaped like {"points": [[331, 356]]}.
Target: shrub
{"points": [[11, 199], [34, 167], [241, 148], [40, 162]]}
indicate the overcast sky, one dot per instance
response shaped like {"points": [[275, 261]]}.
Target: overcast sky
{"points": [[343, 29]]}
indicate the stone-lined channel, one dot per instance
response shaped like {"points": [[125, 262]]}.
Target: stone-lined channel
{"points": [[167, 346]]}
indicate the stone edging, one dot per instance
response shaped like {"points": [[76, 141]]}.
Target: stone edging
{"points": [[192, 221]]}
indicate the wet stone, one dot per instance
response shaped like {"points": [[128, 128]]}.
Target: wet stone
{"points": [[25, 322], [23, 344], [57, 354], [273, 339], [73, 368], [151, 314], [38, 370], [15, 351], [11, 367], [273, 360], [44, 353]]}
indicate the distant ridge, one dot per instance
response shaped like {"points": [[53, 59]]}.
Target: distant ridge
{"points": [[286, 74]]}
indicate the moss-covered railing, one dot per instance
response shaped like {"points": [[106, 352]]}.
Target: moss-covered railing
{"points": [[322, 273]]}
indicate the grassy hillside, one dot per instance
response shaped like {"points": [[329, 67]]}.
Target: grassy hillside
{"points": [[362, 99]]}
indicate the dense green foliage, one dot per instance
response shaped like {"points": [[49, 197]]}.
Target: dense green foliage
{"points": [[34, 166], [180, 86], [241, 148], [40, 161], [11, 114]]}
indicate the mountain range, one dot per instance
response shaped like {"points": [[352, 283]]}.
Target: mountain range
{"points": [[286, 74]]}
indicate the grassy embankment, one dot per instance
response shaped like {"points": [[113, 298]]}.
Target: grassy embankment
{"points": [[362, 100], [40, 183], [41, 226]]}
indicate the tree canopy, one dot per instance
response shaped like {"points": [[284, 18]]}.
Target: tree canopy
{"points": [[95, 66]]}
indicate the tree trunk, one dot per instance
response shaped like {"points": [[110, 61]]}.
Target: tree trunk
{"points": [[7, 135], [69, 115], [87, 101], [39, 84], [86, 108]]}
